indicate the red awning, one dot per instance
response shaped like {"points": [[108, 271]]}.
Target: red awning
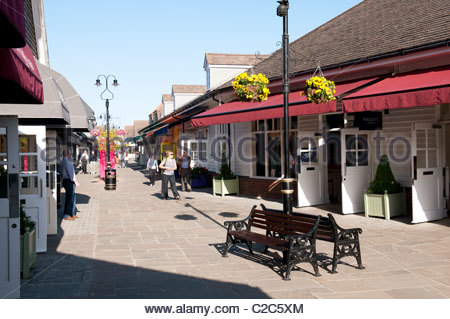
{"points": [[235, 112], [20, 82], [419, 88], [12, 24]]}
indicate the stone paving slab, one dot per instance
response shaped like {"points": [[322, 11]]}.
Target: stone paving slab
{"points": [[129, 243]]}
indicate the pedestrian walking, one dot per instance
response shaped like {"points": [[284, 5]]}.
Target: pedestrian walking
{"points": [[169, 165], [69, 182], [152, 168], [84, 161], [127, 159], [184, 168], [121, 159]]}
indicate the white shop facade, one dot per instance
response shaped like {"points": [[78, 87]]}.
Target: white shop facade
{"points": [[335, 147]]}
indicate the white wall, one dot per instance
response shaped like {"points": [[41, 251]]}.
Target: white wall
{"points": [[219, 74], [398, 124], [179, 99], [242, 164], [40, 31], [168, 107], [211, 164]]}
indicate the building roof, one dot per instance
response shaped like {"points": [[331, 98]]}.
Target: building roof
{"points": [[78, 108], [130, 130], [233, 59], [139, 124], [180, 88], [157, 109], [167, 97], [369, 29]]}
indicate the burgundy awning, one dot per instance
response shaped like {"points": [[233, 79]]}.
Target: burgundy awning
{"points": [[20, 81], [235, 112], [418, 88], [12, 24]]}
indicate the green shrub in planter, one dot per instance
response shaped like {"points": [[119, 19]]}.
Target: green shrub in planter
{"points": [[385, 197], [225, 182], [27, 243]]}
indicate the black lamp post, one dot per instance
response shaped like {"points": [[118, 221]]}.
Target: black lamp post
{"points": [[110, 174], [287, 188]]}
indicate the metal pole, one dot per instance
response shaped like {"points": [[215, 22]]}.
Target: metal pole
{"points": [[287, 188], [108, 161]]}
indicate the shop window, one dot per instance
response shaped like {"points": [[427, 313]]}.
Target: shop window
{"points": [[427, 151], [198, 151], [356, 150]]}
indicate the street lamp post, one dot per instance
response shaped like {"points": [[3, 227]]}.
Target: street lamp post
{"points": [[287, 182], [107, 95]]}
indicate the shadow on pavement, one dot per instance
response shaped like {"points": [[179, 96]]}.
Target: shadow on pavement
{"points": [[67, 275]]}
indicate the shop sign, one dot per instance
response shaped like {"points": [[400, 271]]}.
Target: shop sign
{"points": [[369, 120]]}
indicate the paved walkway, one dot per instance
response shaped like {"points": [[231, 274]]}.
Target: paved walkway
{"points": [[129, 243]]}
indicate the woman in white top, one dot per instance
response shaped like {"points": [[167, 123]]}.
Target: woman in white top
{"points": [[152, 168], [169, 165]]}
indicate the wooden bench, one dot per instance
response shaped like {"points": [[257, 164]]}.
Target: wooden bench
{"points": [[294, 236], [346, 241]]}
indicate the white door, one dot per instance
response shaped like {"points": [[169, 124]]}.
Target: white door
{"points": [[9, 209], [310, 176], [427, 186], [52, 217], [355, 169], [33, 193]]}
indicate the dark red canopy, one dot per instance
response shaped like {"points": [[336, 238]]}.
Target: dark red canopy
{"points": [[20, 81], [12, 24], [235, 112], [418, 88]]}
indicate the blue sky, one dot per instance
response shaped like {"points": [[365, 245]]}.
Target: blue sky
{"points": [[150, 45]]}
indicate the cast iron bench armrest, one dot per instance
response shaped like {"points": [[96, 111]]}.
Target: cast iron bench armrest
{"points": [[345, 233], [239, 224]]}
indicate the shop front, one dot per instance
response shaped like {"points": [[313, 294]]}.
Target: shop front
{"points": [[335, 148]]}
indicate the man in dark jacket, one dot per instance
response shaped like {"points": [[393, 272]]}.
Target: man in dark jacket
{"points": [[184, 168]]}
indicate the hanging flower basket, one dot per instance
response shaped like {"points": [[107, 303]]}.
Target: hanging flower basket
{"points": [[251, 88], [115, 138], [319, 90]]}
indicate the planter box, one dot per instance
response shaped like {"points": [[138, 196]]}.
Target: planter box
{"points": [[199, 182], [387, 205], [226, 186], [27, 252]]}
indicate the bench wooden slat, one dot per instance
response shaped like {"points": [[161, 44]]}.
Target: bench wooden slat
{"points": [[278, 222], [271, 242]]}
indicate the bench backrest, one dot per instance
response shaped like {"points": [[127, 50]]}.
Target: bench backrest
{"points": [[280, 222], [325, 231]]}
